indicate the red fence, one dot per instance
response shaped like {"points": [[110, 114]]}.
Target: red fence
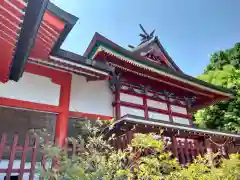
{"points": [[16, 148], [185, 150], [19, 161]]}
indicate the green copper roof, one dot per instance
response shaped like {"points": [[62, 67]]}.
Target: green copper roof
{"points": [[139, 59]]}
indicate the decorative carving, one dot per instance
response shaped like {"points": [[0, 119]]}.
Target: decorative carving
{"points": [[143, 90], [162, 95], [130, 88], [190, 100], [114, 82], [152, 54], [168, 94], [155, 96]]}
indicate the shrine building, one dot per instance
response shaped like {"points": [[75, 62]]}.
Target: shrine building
{"points": [[140, 87]]}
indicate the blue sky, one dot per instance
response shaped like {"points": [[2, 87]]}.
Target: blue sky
{"points": [[190, 30]]}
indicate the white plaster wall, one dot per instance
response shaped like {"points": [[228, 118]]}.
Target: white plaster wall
{"points": [[32, 88], [16, 165], [131, 111], [158, 116], [93, 97], [157, 104], [181, 120], [131, 98], [178, 109]]}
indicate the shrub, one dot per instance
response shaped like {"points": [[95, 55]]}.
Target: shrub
{"points": [[145, 158]]}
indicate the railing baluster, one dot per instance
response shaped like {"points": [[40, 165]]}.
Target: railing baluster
{"points": [[187, 154], [12, 157], [2, 145], [34, 154], [192, 150], [175, 147], [183, 160], [196, 144], [24, 154], [44, 158], [74, 148]]}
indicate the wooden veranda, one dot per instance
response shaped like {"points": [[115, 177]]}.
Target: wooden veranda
{"points": [[184, 142]]}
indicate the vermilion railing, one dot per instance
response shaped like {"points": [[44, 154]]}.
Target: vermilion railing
{"points": [[185, 150], [15, 148], [24, 167]]}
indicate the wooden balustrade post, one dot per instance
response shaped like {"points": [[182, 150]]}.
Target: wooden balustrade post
{"points": [[209, 151], [201, 147], [182, 154], [187, 150], [130, 136], [174, 146], [197, 148]]}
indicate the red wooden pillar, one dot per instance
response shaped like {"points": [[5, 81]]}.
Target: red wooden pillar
{"points": [[117, 104], [169, 108], [62, 120], [145, 106]]}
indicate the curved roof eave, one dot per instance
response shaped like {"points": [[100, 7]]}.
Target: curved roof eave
{"points": [[99, 40], [32, 21]]}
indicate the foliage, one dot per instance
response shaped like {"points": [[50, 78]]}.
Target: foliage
{"points": [[201, 169], [227, 57], [223, 115], [145, 159], [223, 70]]}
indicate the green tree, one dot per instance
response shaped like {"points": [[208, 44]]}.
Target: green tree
{"points": [[223, 70], [226, 57], [223, 115]]}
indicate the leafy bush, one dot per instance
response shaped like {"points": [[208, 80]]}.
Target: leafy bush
{"points": [[200, 169], [145, 158]]}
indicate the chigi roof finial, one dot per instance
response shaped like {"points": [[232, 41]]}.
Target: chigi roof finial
{"points": [[145, 36]]}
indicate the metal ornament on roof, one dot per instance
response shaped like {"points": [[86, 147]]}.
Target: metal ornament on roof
{"points": [[145, 36]]}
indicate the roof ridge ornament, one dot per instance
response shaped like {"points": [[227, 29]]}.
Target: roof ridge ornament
{"points": [[145, 36]]}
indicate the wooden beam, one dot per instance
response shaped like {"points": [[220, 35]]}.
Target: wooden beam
{"points": [[33, 17]]}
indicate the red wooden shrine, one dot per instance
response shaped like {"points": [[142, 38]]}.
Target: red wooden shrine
{"points": [[141, 88], [152, 92]]}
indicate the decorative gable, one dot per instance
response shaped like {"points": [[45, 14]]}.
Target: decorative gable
{"points": [[151, 48], [153, 53]]}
